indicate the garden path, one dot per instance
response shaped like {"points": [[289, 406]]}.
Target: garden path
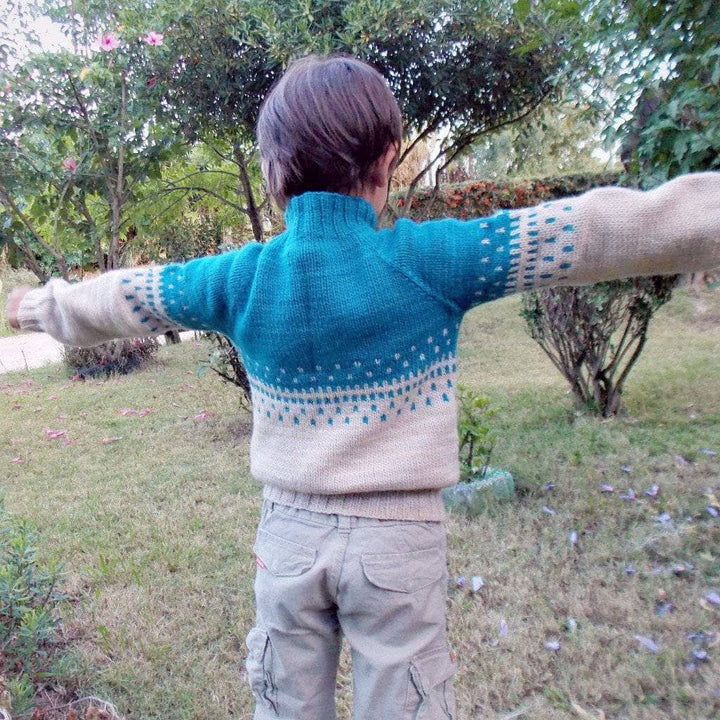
{"points": [[25, 351]]}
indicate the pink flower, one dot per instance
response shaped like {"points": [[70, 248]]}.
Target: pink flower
{"points": [[70, 164], [154, 38], [108, 41]]}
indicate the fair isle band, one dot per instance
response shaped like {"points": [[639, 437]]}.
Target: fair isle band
{"points": [[543, 246]]}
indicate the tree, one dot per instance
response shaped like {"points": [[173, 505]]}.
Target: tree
{"points": [[458, 68], [654, 65], [79, 135]]}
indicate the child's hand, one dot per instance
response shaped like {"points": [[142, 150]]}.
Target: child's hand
{"points": [[13, 303]]}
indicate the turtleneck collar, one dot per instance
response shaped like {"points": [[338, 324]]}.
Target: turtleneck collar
{"points": [[323, 210]]}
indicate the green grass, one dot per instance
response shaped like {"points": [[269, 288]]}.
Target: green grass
{"points": [[156, 529]]}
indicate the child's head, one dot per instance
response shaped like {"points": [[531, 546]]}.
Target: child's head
{"points": [[324, 126]]}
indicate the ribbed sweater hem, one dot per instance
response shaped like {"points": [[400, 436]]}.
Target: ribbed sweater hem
{"points": [[421, 505]]}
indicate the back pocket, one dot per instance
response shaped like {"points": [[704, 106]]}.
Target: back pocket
{"points": [[282, 557], [404, 572]]}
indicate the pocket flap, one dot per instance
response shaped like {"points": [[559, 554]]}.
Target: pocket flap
{"points": [[404, 572], [281, 556]]}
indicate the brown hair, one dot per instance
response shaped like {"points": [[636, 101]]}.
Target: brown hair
{"points": [[324, 125]]}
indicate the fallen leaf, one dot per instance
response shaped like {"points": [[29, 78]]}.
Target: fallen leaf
{"points": [[648, 643], [53, 434]]}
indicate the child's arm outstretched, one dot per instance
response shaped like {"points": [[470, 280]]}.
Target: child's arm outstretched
{"points": [[136, 302], [604, 234]]}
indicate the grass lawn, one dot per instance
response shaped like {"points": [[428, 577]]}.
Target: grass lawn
{"points": [[153, 514]]}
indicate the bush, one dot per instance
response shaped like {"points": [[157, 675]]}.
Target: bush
{"points": [[594, 335], [479, 198], [29, 599], [114, 357], [477, 438]]}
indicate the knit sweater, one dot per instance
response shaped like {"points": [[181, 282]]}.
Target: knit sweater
{"points": [[349, 333]]}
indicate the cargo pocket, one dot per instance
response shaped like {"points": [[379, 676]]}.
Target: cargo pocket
{"points": [[404, 572], [431, 695], [282, 557], [259, 668]]}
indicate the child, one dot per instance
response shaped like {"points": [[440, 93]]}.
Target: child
{"points": [[349, 337]]}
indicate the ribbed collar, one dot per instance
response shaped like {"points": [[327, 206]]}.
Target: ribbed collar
{"points": [[321, 212]]}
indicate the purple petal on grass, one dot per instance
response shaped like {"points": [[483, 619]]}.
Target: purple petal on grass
{"points": [[548, 510], [707, 451], [629, 495], [573, 537], [652, 491], [476, 582], [571, 624], [713, 597], [663, 519], [549, 486], [664, 609], [681, 461], [627, 468], [607, 488], [503, 630], [629, 570], [712, 511], [460, 581], [648, 643], [700, 655], [553, 645]]}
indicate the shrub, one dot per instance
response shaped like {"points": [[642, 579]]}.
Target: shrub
{"points": [[476, 435], [29, 599], [594, 335], [114, 357]]}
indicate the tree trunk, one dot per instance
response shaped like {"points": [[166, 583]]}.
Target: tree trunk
{"points": [[252, 208]]}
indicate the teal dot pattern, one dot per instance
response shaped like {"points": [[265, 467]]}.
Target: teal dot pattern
{"points": [[543, 246], [142, 292]]}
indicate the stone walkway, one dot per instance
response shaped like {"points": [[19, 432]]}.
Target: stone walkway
{"points": [[25, 351]]}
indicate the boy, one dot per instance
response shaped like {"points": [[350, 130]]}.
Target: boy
{"points": [[349, 335]]}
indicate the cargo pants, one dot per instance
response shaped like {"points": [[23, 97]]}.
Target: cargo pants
{"points": [[379, 583]]}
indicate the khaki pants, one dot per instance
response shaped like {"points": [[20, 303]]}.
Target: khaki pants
{"points": [[380, 583]]}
